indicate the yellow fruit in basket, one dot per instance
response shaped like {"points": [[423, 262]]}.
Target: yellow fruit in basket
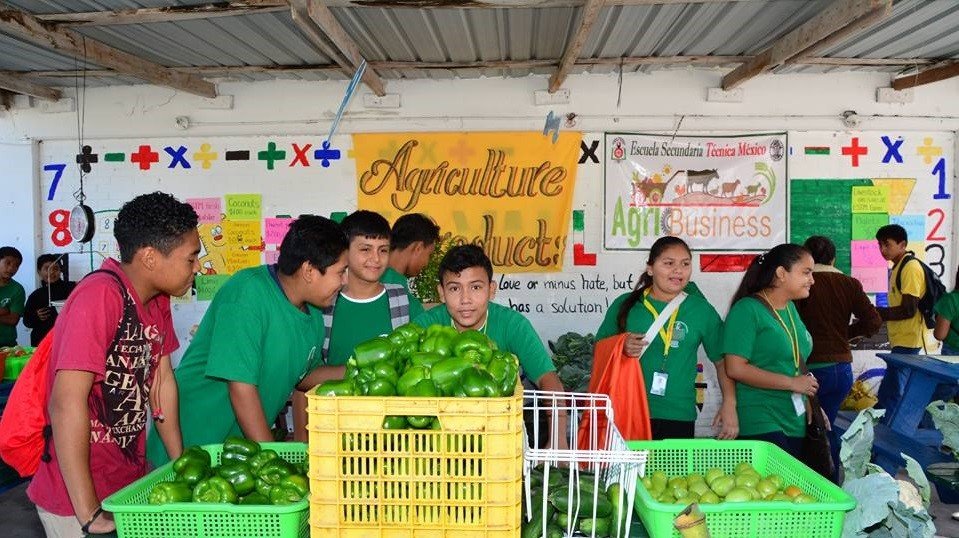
{"points": [[699, 488], [689, 498], [713, 474], [748, 480], [647, 483], [708, 498], [804, 498], [694, 478], [666, 498], [792, 491], [754, 494], [659, 479], [739, 495], [744, 467], [678, 492], [766, 488], [782, 497], [723, 485], [777, 480], [678, 481]]}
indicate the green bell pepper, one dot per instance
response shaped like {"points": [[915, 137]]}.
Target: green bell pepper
{"points": [[193, 454], [408, 332], [478, 383], [336, 387], [372, 351], [404, 351], [261, 458], [447, 372], [215, 489], [381, 387], [504, 367], [240, 476], [275, 470], [413, 375], [193, 472], [438, 339], [234, 457], [424, 358], [170, 492], [385, 370], [394, 422], [239, 445], [473, 340], [255, 498], [425, 388], [420, 422], [290, 490]]}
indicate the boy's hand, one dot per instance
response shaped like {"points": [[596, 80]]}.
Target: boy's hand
{"points": [[44, 313]]}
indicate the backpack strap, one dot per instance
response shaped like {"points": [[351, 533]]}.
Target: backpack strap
{"points": [[399, 304], [910, 255]]}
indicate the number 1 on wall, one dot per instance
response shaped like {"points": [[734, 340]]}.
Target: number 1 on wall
{"points": [[940, 170]]}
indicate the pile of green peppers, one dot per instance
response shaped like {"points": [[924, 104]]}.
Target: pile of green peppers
{"points": [[595, 517], [436, 361], [247, 474]]}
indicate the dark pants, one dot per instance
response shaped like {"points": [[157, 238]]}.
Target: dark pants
{"points": [[672, 429], [792, 445], [834, 384]]}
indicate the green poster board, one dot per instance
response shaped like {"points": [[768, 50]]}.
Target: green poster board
{"points": [[824, 207]]}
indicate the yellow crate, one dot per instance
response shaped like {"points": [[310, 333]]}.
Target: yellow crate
{"points": [[466, 477]]}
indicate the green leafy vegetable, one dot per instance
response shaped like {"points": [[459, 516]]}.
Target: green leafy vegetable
{"points": [[946, 418], [573, 357]]}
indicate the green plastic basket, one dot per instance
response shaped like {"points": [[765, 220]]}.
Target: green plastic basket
{"points": [[679, 457], [135, 518]]}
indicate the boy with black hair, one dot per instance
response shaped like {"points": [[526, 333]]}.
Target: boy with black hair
{"points": [[110, 361], [907, 330], [365, 307], [414, 237], [12, 295], [39, 314], [260, 339]]}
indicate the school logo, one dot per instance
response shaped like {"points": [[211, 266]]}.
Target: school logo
{"points": [[619, 149], [776, 150], [680, 330]]}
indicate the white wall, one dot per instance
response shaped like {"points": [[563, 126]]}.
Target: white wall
{"points": [[19, 212]]}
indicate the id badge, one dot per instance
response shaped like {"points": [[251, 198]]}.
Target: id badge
{"points": [[799, 404], [659, 383]]}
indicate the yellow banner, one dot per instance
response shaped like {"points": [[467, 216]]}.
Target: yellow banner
{"points": [[509, 192]]}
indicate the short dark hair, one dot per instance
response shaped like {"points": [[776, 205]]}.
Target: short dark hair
{"points": [[413, 227], [365, 223], [892, 231], [155, 220], [46, 258], [822, 249], [316, 240], [10, 252], [462, 257]]}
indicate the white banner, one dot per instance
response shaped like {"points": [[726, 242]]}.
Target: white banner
{"points": [[715, 192]]}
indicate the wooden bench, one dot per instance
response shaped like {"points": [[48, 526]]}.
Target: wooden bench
{"points": [[889, 443]]}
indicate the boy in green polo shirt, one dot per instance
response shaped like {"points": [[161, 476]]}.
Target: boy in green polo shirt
{"points": [[413, 238], [260, 339], [12, 295], [467, 288]]}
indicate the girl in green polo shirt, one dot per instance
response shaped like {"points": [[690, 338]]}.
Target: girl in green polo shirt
{"points": [[947, 315], [764, 341], [669, 366]]}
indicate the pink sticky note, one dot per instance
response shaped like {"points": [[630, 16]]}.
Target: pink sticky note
{"points": [[873, 279], [865, 253], [208, 209], [271, 256], [275, 229]]}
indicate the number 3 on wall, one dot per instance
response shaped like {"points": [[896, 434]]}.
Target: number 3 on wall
{"points": [[937, 265]]}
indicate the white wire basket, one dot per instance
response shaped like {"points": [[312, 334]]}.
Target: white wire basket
{"points": [[585, 473]]}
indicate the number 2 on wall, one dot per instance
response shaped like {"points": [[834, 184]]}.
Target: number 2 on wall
{"points": [[938, 224], [940, 171]]}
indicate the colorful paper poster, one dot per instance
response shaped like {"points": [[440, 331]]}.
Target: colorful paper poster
{"points": [[243, 206], [208, 285], [873, 279], [716, 193], [275, 229], [207, 209], [510, 192], [865, 253], [864, 225], [271, 256], [242, 233], [870, 200], [238, 258], [915, 225]]}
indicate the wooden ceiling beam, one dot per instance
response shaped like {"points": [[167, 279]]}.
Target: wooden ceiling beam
{"points": [[838, 21], [323, 18], [18, 84], [163, 14], [589, 14], [24, 26], [927, 76]]}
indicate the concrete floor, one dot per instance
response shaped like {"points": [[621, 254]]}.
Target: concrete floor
{"points": [[18, 516]]}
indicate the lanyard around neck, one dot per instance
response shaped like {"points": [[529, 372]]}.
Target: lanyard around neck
{"points": [[666, 334], [793, 336]]}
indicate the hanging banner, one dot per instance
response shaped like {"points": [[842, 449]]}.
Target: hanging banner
{"points": [[509, 192], [715, 192]]}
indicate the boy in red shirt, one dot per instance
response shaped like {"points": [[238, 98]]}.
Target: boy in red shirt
{"points": [[110, 364]]}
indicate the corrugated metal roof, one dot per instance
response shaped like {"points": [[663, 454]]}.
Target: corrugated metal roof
{"points": [[916, 29]]}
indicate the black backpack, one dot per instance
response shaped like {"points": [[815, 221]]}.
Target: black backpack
{"points": [[934, 289]]}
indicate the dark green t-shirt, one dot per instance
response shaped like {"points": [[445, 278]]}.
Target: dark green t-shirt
{"points": [[753, 332], [510, 330], [697, 323], [948, 308], [12, 297]]}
